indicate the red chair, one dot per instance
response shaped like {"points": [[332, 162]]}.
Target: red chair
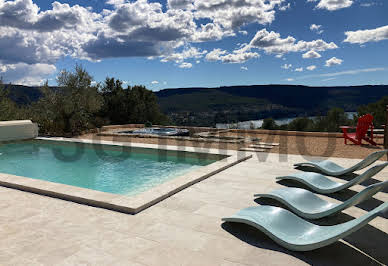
{"points": [[363, 125]]}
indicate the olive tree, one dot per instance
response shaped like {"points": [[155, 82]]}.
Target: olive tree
{"points": [[70, 108]]}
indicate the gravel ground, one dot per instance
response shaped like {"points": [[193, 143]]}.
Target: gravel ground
{"points": [[319, 146], [313, 146]]}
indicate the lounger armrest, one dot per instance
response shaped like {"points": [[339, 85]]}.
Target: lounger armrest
{"points": [[345, 128]]}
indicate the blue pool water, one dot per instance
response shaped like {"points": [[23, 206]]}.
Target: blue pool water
{"points": [[106, 168]]}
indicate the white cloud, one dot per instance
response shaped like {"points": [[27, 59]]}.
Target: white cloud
{"points": [[187, 53], [353, 72], [139, 28], [299, 69], [332, 5], [286, 66], [311, 54], [285, 7], [244, 68], [186, 65], [211, 32], [115, 2], [154, 82], [26, 74], [180, 4], [29, 36], [316, 28], [147, 21], [347, 72], [272, 43], [367, 4], [237, 56], [215, 54], [289, 79], [333, 61], [236, 13], [363, 36], [328, 79], [24, 14], [311, 68]]}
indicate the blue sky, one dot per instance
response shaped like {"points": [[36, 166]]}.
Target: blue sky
{"points": [[197, 43]]}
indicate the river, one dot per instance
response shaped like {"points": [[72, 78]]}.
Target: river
{"points": [[254, 124]]}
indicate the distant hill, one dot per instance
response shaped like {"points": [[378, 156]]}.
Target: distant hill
{"points": [[237, 103], [207, 106], [313, 98], [23, 94]]}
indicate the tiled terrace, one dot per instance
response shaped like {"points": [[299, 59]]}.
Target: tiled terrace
{"points": [[185, 229]]}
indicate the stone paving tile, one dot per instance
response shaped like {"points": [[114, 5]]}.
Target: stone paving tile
{"points": [[231, 249], [270, 257], [45, 247], [212, 226], [55, 256], [185, 229], [177, 203], [230, 263], [179, 218], [175, 236], [129, 247], [171, 256], [17, 261], [216, 211], [91, 256]]}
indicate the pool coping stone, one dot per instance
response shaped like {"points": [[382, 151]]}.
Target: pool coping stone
{"points": [[122, 203]]}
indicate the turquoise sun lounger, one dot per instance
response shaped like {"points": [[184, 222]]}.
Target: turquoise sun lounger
{"points": [[294, 233], [330, 168], [309, 206], [321, 184]]}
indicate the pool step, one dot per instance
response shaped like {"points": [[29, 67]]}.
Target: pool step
{"points": [[253, 150], [269, 144], [260, 146]]}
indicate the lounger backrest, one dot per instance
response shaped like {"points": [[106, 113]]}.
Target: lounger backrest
{"points": [[364, 123], [366, 175], [370, 159], [367, 193]]}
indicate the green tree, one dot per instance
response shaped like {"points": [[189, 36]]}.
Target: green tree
{"points": [[131, 105], [144, 106], [336, 117], [376, 109], [70, 108], [8, 109], [269, 123], [320, 124], [301, 124], [115, 101]]}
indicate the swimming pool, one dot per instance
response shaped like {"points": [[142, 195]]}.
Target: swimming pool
{"points": [[107, 168]]}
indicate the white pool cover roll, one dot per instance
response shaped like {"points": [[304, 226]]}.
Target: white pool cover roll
{"points": [[18, 130]]}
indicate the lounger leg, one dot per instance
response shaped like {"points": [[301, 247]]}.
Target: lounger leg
{"points": [[370, 141]]}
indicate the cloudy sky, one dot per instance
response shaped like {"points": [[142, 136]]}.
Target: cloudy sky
{"points": [[185, 43]]}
